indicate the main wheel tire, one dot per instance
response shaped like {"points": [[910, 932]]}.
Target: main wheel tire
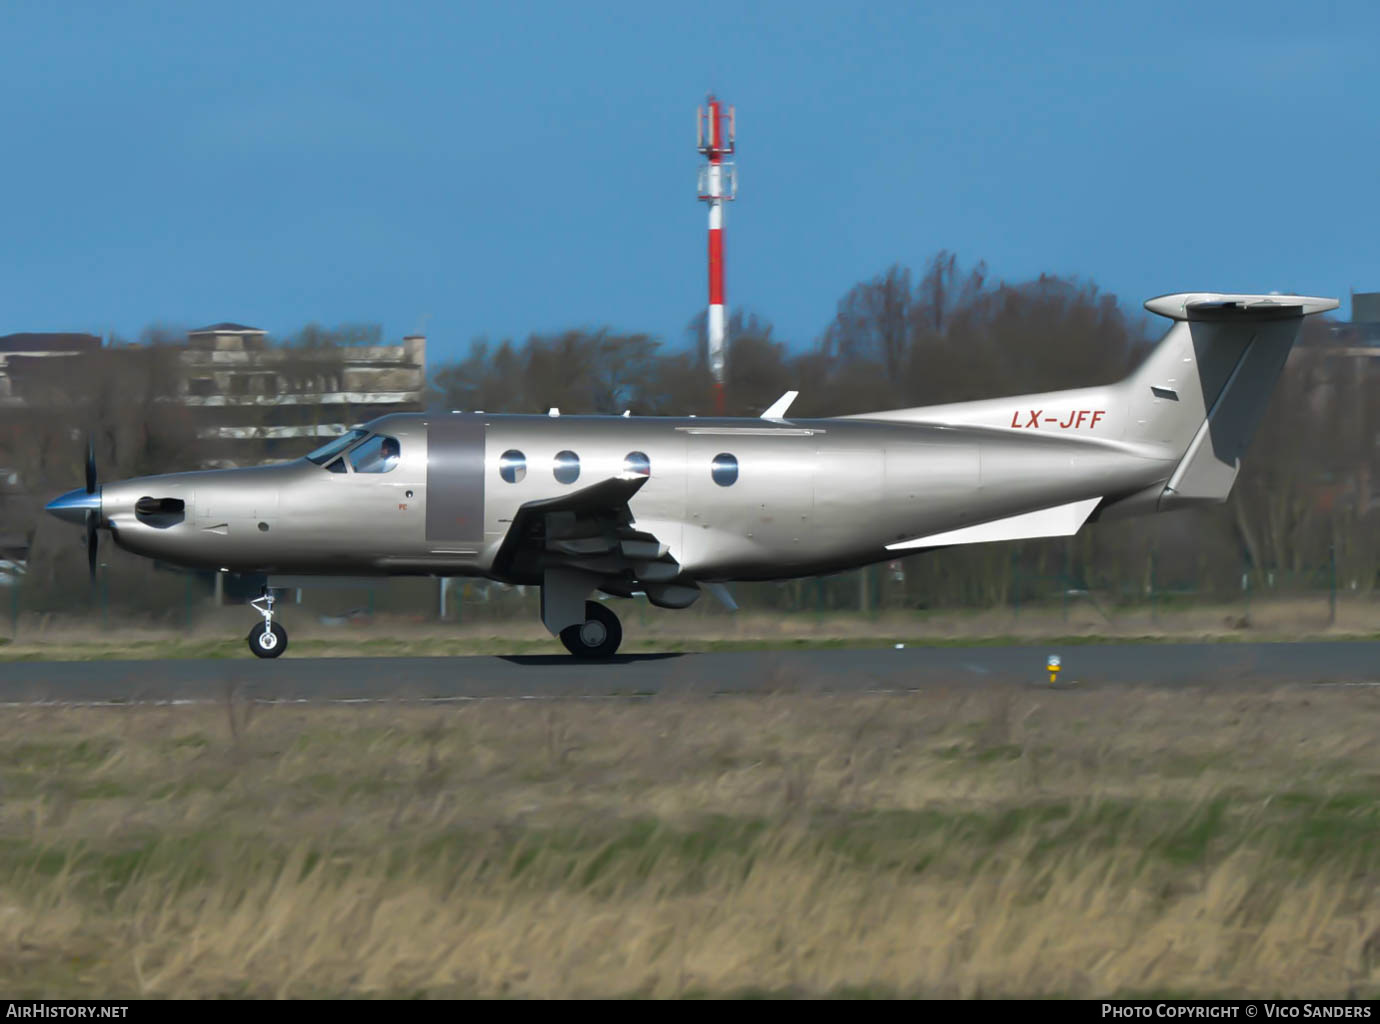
{"points": [[597, 637], [268, 646]]}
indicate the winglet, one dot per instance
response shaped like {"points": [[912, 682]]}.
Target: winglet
{"points": [[779, 407]]}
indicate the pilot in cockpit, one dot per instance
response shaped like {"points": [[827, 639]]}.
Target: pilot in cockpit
{"points": [[377, 455], [390, 454]]}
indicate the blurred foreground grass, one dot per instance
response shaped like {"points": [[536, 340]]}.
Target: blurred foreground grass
{"points": [[945, 843]]}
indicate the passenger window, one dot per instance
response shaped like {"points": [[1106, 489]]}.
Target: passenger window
{"points": [[379, 454], [512, 465], [637, 464], [724, 469], [567, 467]]}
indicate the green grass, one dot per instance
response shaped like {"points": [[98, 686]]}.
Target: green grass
{"points": [[945, 843]]}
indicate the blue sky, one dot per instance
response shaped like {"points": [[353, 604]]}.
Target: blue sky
{"points": [[497, 169]]}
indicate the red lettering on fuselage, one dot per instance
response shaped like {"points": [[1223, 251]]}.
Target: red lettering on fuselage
{"points": [[1074, 419]]}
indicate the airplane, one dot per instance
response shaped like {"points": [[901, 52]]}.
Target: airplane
{"points": [[674, 507]]}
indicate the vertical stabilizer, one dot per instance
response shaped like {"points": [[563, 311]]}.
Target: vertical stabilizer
{"points": [[1193, 405], [1226, 355]]}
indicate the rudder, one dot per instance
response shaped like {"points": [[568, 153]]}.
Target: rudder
{"points": [[1238, 345]]}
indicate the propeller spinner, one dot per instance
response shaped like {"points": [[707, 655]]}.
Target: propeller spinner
{"points": [[83, 506]]}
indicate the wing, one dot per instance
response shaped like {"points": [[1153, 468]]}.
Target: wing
{"points": [[590, 530]]}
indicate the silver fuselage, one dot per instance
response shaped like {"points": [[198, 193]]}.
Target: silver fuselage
{"points": [[669, 508], [810, 497]]}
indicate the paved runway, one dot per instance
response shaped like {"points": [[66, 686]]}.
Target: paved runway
{"points": [[536, 676]]}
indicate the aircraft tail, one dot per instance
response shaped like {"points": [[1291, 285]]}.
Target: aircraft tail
{"points": [[1194, 403], [1203, 390]]}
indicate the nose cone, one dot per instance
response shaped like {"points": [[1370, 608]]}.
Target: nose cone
{"points": [[74, 505]]}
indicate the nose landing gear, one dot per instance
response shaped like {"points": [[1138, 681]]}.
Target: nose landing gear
{"points": [[270, 639]]}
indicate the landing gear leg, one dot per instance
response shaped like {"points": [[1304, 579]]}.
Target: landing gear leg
{"points": [[270, 639], [597, 637]]}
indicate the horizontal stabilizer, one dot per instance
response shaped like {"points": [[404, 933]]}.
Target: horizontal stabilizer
{"points": [[1059, 521], [1216, 306]]}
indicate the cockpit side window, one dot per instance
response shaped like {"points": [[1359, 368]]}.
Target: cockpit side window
{"points": [[379, 454], [338, 466], [326, 452]]}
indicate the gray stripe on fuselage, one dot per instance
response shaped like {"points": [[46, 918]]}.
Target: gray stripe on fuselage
{"points": [[455, 479]]}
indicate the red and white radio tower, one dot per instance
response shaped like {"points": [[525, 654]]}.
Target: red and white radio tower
{"points": [[718, 183]]}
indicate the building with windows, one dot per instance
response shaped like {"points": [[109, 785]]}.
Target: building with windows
{"points": [[252, 401], [26, 361], [23, 356], [246, 400], [1358, 337]]}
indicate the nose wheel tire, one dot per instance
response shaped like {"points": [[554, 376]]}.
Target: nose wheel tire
{"points": [[270, 645], [597, 637]]}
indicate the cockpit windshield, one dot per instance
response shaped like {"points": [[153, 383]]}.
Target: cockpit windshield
{"points": [[326, 452]]}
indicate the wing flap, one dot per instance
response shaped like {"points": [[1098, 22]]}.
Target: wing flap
{"points": [[589, 531]]}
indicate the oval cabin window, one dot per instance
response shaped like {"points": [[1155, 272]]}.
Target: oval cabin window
{"points": [[637, 464], [724, 469], [512, 465], [567, 467]]}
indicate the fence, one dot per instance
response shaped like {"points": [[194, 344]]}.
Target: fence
{"points": [[1311, 599]]}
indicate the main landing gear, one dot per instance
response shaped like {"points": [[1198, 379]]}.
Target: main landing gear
{"points": [[597, 637], [270, 639]]}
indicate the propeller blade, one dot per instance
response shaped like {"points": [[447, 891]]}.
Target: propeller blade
{"points": [[90, 466], [92, 542]]}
